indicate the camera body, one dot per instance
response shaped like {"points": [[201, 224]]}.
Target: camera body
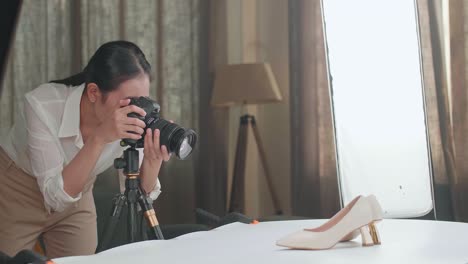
{"points": [[152, 114], [177, 139], [151, 108]]}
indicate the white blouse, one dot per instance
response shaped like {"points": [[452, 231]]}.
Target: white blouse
{"points": [[47, 137]]}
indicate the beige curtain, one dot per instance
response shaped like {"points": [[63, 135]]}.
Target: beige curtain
{"points": [[448, 34], [457, 95], [55, 39], [444, 61], [438, 116], [314, 182]]}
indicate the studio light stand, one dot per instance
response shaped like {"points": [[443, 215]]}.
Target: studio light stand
{"points": [[132, 196]]}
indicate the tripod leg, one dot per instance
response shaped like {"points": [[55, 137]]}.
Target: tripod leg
{"points": [[143, 229], [108, 234], [150, 215], [236, 203], [132, 222], [133, 190], [261, 151]]}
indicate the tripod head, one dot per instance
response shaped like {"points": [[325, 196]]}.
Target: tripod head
{"points": [[132, 196], [130, 161]]}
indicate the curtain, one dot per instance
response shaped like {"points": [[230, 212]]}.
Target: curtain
{"points": [[55, 39], [437, 113], [314, 177], [450, 56], [444, 61], [458, 97]]}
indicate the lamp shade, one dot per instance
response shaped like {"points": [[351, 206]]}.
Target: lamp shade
{"points": [[249, 83]]}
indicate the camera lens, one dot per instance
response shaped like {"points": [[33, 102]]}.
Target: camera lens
{"points": [[177, 139], [185, 148]]}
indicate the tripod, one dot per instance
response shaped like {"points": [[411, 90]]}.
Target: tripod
{"points": [[237, 203], [132, 195]]}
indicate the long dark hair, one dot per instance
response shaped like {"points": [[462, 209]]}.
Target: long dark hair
{"points": [[113, 63]]}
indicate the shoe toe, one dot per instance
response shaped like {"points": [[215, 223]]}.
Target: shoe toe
{"points": [[300, 240]]}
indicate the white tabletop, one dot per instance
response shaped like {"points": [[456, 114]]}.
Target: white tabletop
{"points": [[403, 241]]}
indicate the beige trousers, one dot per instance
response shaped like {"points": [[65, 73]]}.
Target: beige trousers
{"points": [[23, 217]]}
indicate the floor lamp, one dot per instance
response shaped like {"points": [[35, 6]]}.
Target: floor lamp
{"points": [[243, 84]]}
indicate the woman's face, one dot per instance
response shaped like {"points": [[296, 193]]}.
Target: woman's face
{"points": [[136, 87]]}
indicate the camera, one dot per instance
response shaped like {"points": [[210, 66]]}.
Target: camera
{"points": [[177, 139]]}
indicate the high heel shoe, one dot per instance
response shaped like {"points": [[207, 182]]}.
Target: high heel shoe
{"points": [[377, 216], [360, 214]]}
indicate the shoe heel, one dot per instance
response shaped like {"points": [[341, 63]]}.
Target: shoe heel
{"points": [[366, 237], [374, 234]]}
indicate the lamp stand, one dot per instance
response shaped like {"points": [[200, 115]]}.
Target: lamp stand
{"points": [[237, 198]]}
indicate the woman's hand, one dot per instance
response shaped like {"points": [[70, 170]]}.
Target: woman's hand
{"points": [[154, 153], [118, 125]]}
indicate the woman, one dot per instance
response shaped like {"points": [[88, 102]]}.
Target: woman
{"points": [[70, 132]]}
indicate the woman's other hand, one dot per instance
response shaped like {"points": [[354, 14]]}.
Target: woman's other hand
{"points": [[154, 153]]}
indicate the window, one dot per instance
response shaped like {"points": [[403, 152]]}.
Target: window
{"points": [[378, 103]]}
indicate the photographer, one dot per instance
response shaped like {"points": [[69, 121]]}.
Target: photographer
{"points": [[68, 134]]}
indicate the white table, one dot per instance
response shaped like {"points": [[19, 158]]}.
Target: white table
{"points": [[403, 241]]}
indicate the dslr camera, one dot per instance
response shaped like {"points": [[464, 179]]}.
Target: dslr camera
{"points": [[177, 139]]}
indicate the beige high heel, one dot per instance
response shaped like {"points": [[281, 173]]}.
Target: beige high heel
{"points": [[358, 216], [377, 216]]}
